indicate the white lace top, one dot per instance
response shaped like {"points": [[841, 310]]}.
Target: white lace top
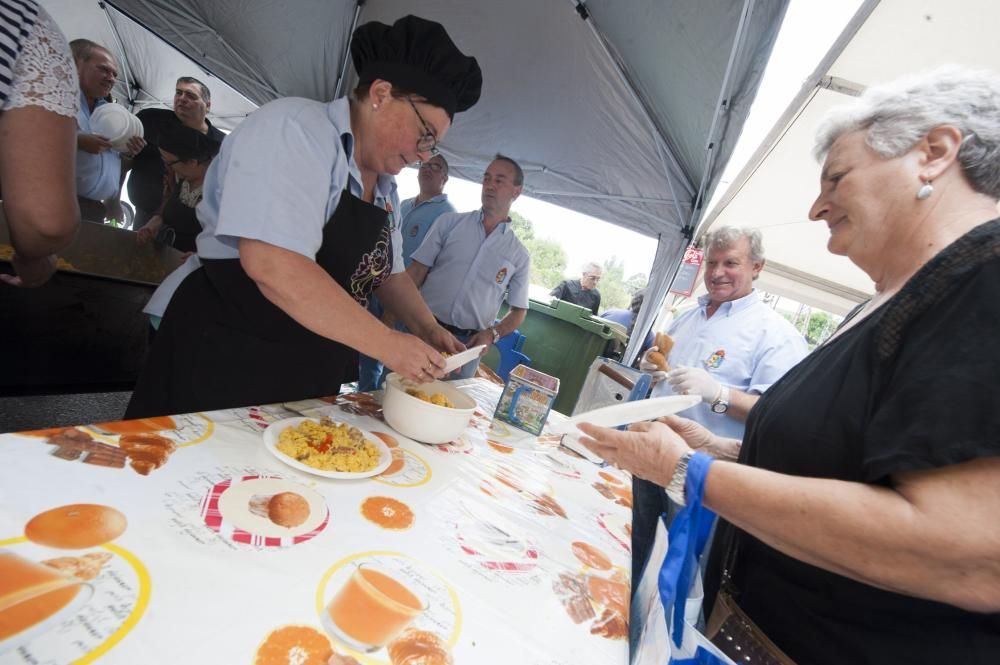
{"points": [[44, 74]]}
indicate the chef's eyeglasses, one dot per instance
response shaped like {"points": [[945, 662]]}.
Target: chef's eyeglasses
{"points": [[428, 140]]}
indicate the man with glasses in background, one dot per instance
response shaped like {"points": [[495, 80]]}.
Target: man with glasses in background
{"points": [[192, 102], [583, 291], [417, 215], [98, 167], [469, 261]]}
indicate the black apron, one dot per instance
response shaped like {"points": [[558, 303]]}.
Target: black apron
{"points": [[222, 344]]}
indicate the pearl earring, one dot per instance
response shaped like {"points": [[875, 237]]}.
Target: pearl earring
{"points": [[374, 107], [925, 192]]}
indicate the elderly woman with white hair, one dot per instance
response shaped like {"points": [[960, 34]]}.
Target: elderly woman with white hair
{"points": [[863, 514]]}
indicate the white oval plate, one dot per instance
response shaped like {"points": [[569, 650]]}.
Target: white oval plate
{"points": [[628, 412], [451, 363], [274, 430]]}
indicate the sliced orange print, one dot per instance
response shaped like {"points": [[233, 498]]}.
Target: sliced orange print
{"points": [[388, 439], [387, 512], [591, 556], [294, 645], [499, 447], [397, 463]]}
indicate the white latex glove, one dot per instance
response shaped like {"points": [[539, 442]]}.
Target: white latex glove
{"points": [[694, 381], [651, 368]]}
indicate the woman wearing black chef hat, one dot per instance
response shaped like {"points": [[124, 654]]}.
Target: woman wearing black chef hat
{"points": [[298, 217]]}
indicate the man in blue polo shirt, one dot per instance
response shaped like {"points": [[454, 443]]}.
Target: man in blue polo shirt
{"points": [[469, 261], [728, 350], [417, 215]]}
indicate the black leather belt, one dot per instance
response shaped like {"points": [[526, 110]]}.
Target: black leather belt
{"points": [[455, 330]]}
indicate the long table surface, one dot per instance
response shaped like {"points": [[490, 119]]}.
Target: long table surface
{"points": [[517, 548]]}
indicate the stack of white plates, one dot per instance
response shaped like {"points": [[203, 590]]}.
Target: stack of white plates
{"points": [[116, 124]]}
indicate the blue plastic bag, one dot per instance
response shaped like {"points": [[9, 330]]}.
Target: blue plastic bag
{"points": [[688, 534]]}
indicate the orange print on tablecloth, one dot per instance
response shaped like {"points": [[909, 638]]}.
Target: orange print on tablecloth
{"points": [[76, 526], [499, 447], [389, 440], [397, 463], [301, 645], [591, 556], [612, 479], [387, 512]]}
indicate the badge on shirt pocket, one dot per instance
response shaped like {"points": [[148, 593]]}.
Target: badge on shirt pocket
{"points": [[716, 359], [503, 274]]}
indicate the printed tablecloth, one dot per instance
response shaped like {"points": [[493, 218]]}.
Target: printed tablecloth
{"points": [[510, 548]]}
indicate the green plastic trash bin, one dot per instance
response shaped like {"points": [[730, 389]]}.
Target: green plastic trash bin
{"points": [[562, 339]]}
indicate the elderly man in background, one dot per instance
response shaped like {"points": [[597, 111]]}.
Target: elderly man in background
{"points": [[468, 261], [728, 350], [98, 167], [583, 291], [417, 214], [192, 102]]}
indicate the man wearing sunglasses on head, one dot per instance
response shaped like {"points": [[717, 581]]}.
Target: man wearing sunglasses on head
{"points": [[417, 214]]}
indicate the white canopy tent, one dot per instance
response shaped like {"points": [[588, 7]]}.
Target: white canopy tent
{"points": [[774, 191], [624, 110]]}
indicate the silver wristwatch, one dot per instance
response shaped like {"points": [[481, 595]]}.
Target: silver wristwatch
{"points": [[721, 403], [496, 334], [678, 481]]}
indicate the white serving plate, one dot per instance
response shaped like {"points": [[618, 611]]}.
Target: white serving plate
{"points": [[274, 430]]}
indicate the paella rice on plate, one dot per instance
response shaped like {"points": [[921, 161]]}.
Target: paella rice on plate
{"points": [[329, 446]]}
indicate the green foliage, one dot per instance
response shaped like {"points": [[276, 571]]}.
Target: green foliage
{"points": [[548, 260], [821, 326]]}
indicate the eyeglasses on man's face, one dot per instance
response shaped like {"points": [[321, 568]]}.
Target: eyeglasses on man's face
{"points": [[431, 166], [428, 140]]}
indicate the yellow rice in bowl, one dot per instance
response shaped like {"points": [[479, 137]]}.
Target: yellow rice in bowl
{"points": [[329, 446]]}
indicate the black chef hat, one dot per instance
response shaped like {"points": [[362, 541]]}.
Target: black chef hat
{"points": [[186, 143], [417, 55]]}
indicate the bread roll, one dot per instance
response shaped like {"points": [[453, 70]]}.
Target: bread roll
{"points": [[664, 343], [288, 509], [659, 360]]}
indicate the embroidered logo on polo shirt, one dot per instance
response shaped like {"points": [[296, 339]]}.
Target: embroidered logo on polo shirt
{"points": [[502, 275], [413, 230], [715, 359]]}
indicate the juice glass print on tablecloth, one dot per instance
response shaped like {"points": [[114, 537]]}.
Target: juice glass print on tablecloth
{"points": [[371, 608], [33, 598]]}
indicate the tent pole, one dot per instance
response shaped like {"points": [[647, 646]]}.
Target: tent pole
{"points": [[124, 56], [347, 50], [721, 107]]}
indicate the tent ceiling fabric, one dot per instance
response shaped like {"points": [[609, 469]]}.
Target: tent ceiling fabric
{"points": [[153, 65], [552, 98], [775, 191]]}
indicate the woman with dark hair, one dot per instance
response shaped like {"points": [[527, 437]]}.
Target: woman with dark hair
{"points": [[298, 211], [186, 154]]}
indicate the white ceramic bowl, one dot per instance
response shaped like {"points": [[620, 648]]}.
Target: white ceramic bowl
{"points": [[423, 421]]}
